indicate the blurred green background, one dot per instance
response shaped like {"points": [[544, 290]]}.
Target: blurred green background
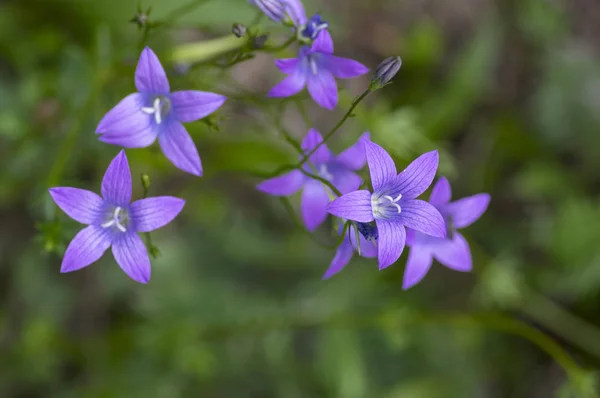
{"points": [[509, 91]]}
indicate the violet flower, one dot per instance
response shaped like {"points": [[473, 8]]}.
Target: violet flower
{"points": [[316, 67], [366, 247], [113, 221], [453, 252], [156, 112], [392, 205], [339, 170]]}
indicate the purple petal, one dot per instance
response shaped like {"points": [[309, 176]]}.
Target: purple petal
{"points": [[79, 204], [323, 43], [344, 68], [116, 184], [312, 140], [284, 185], [417, 177], [295, 9], [466, 211], [289, 86], [194, 105], [179, 148], [153, 213], [150, 77], [313, 204], [355, 206], [355, 157], [126, 125], [346, 181], [287, 65], [391, 240], [455, 253], [323, 88], [441, 192], [417, 266], [423, 217], [343, 255], [86, 247], [381, 165], [131, 255]]}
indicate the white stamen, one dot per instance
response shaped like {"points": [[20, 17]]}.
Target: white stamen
{"points": [[155, 109], [393, 201], [115, 220], [313, 65], [325, 173]]}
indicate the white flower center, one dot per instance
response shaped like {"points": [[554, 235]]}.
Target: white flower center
{"points": [[117, 219], [160, 108], [384, 204], [313, 65], [324, 172]]}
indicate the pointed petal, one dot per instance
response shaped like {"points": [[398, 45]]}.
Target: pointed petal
{"points": [[284, 185], [381, 165], [323, 88], [355, 156], [355, 206], [312, 140], [454, 254], [346, 181], [417, 177], [344, 68], [417, 266], [190, 105], [116, 184], [392, 237], [343, 255], [423, 217], [323, 43], [287, 65], [295, 9], [152, 213], [79, 204], [179, 148], [86, 247], [289, 86], [150, 77], [131, 255], [441, 192], [313, 204], [466, 211]]}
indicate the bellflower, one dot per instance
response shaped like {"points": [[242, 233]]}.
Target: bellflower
{"points": [[393, 204], [113, 221], [339, 170], [453, 252], [367, 248], [316, 67], [156, 112]]}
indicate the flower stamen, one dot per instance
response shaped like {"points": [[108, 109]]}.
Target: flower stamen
{"points": [[160, 106], [115, 221], [393, 201]]}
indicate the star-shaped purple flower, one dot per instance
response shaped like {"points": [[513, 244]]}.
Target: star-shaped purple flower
{"points": [[392, 205], [316, 67], [156, 112], [113, 221], [339, 170], [367, 237], [453, 252]]}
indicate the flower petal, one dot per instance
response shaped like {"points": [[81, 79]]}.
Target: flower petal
{"points": [[344, 68], [313, 140], [454, 254], [355, 206], [289, 86], [295, 9], [466, 211], [343, 255], [287, 65], [116, 184], [417, 177], [190, 105], [418, 264], [323, 43], [355, 157], [323, 88], [152, 213], [423, 217], [284, 185], [441, 192], [381, 165], [391, 240], [86, 247], [179, 148], [313, 203], [346, 181], [79, 204], [150, 77], [131, 255]]}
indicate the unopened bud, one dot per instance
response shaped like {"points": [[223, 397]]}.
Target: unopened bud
{"points": [[274, 9], [141, 17], [385, 72], [145, 181], [238, 29]]}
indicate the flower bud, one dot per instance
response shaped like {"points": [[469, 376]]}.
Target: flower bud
{"points": [[145, 181], [385, 72], [141, 17], [238, 29]]}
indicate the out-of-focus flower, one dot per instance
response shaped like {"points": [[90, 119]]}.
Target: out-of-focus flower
{"points": [[367, 236]]}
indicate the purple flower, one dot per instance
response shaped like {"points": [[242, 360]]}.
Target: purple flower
{"points": [[343, 255], [392, 205], [316, 68], [339, 170], [113, 221], [156, 112], [453, 251]]}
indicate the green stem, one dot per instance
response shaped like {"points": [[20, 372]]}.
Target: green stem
{"points": [[276, 49], [207, 49], [176, 14], [322, 180], [288, 207]]}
